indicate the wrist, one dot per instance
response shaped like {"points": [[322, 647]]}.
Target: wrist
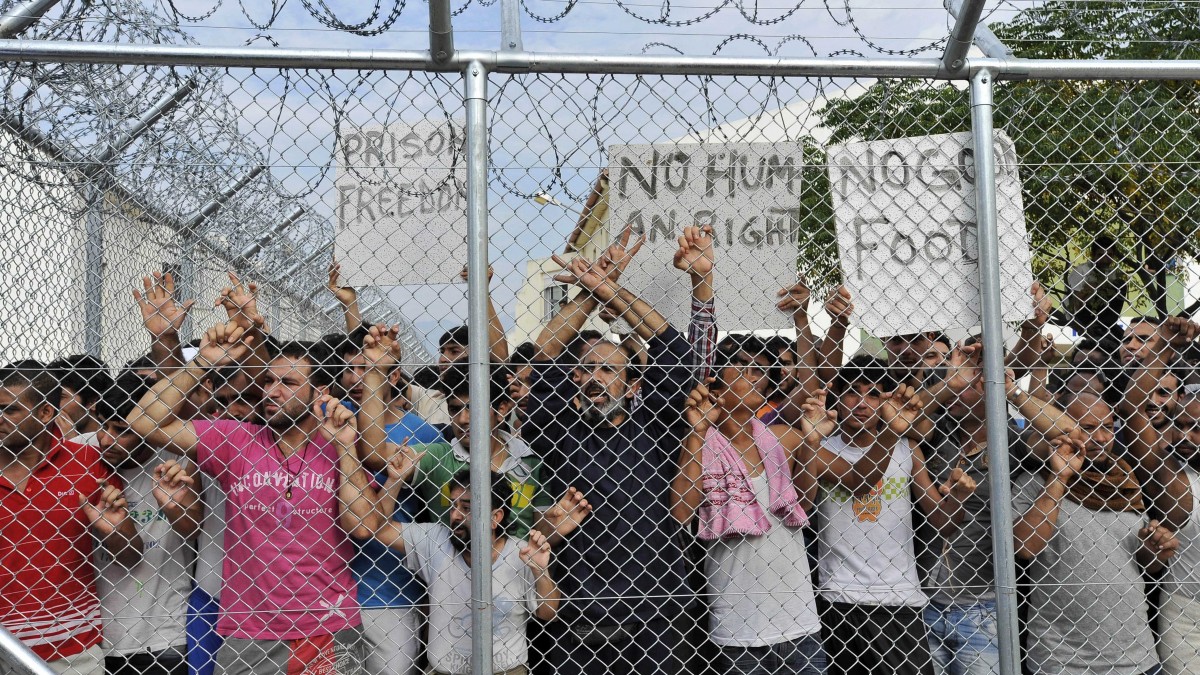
{"points": [[169, 337], [605, 291], [1056, 487]]}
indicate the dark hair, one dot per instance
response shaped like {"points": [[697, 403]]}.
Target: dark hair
{"points": [[523, 354], [777, 343], [219, 377], [456, 336], [1143, 318], [575, 349], [325, 364], [83, 374], [456, 382], [141, 363], [944, 339], [120, 399], [37, 381], [728, 349], [1059, 377], [502, 493], [861, 369], [348, 344]]}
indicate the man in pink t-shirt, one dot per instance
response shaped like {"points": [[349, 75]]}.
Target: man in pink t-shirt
{"points": [[288, 604]]}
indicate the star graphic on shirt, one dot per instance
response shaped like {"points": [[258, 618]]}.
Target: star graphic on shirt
{"points": [[335, 609]]}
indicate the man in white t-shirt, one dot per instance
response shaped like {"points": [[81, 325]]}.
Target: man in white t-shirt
{"points": [[869, 475], [143, 607], [441, 556]]}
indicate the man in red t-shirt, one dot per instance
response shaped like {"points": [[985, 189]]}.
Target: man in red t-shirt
{"points": [[52, 492]]}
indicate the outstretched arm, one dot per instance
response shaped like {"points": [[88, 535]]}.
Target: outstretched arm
{"points": [[156, 418], [400, 469], [163, 318], [839, 308], [178, 496], [381, 351], [497, 344], [687, 491], [356, 495], [942, 504], [347, 296], [696, 257], [536, 554], [795, 302], [112, 525], [1034, 529]]}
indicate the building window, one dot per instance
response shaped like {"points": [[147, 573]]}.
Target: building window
{"points": [[553, 297]]}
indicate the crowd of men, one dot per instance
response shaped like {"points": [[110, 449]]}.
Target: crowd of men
{"points": [[661, 503]]}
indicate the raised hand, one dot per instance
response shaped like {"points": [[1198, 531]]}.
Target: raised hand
{"points": [[618, 255], [794, 299], [338, 424], [1042, 306], [695, 254], [963, 368], [536, 554], [902, 408], [224, 343], [403, 463], [173, 485], [1066, 458], [463, 274], [241, 304], [582, 272], [839, 306], [701, 409], [958, 486], [1177, 331], [817, 419], [381, 346], [1159, 541], [344, 294], [161, 315], [568, 513], [109, 511]]}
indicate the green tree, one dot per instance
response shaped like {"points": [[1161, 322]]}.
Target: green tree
{"points": [[1097, 156]]}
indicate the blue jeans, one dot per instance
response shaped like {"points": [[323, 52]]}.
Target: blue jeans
{"points": [[963, 638], [802, 656], [202, 639]]}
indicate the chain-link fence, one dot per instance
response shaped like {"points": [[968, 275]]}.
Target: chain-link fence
{"points": [[775, 366]]}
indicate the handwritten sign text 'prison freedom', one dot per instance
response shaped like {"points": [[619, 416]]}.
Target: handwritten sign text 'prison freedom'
{"points": [[748, 192], [907, 234], [401, 203]]}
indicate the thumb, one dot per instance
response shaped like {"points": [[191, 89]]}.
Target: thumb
{"points": [[89, 509]]}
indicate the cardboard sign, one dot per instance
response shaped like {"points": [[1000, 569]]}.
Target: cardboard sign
{"points": [[748, 192], [401, 203], [907, 233]]}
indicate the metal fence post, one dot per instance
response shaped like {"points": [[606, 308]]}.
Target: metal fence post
{"points": [[478, 350], [993, 371], [18, 659]]}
